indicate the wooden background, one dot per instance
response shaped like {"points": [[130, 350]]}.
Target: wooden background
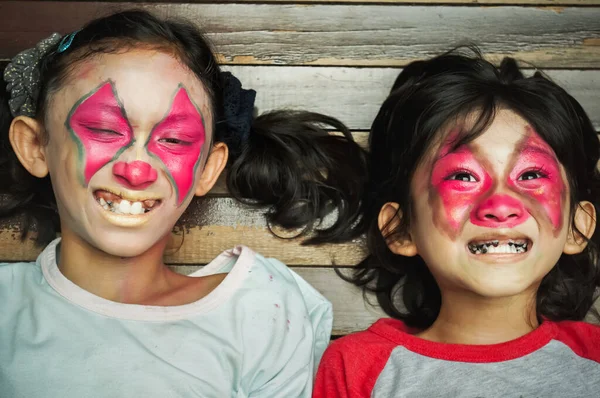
{"points": [[338, 58]]}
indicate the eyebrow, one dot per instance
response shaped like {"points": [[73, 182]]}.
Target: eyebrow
{"points": [[537, 149]]}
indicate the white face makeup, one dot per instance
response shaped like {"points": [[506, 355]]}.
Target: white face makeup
{"points": [[496, 218], [128, 135]]}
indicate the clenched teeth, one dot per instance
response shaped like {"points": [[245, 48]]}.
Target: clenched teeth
{"points": [[496, 247], [118, 205]]}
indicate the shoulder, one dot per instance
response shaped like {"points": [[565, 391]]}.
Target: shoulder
{"points": [[275, 278], [581, 337], [12, 271], [352, 364], [368, 343], [18, 280]]}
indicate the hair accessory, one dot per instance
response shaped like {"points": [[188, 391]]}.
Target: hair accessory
{"points": [[22, 76], [238, 104], [66, 41]]}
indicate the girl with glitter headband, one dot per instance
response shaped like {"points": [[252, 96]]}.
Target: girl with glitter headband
{"points": [[107, 135], [480, 215]]}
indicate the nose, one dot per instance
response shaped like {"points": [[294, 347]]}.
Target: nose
{"points": [[134, 175], [499, 211]]}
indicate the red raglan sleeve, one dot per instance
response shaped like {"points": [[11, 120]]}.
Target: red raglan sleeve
{"points": [[583, 338], [351, 365]]}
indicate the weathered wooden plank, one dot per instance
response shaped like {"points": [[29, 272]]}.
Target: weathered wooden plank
{"points": [[351, 312], [436, 2], [322, 34], [209, 226], [354, 95]]}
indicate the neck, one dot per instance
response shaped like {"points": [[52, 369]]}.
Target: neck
{"points": [[126, 280], [466, 318]]}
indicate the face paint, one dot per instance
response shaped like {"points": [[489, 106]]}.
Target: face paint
{"points": [[458, 181], [461, 186], [177, 142], [98, 125], [499, 211], [536, 174], [135, 175]]}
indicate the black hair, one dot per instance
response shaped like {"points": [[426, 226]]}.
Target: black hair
{"points": [[426, 97], [289, 161]]}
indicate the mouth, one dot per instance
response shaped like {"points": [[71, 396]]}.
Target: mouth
{"points": [[125, 204], [500, 245]]}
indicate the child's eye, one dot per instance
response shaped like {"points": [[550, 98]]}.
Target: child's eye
{"points": [[531, 175], [173, 141], [104, 131], [462, 176]]}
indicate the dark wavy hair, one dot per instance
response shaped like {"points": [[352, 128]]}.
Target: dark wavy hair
{"points": [[430, 94], [289, 162]]}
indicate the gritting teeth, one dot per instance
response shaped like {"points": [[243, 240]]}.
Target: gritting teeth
{"points": [[494, 247], [125, 207], [137, 208]]}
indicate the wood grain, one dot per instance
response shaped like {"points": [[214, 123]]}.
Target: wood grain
{"points": [[436, 2], [345, 34], [209, 226], [354, 95]]}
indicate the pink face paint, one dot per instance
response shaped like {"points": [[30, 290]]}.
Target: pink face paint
{"points": [[135, 175], [499, 211], [536, 174], [457, 196], [99, 127], [177, 142]]}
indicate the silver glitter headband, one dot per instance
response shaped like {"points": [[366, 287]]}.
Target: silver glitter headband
{"points": [[22, 77]]}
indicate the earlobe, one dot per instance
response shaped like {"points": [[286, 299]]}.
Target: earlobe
{"points": [[389, 219], [217, 159], [585, 221], [26, 138]]}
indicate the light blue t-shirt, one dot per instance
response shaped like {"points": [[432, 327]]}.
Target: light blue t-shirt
{"points": [[260, 333]]}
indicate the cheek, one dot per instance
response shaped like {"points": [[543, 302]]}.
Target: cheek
{"points": [[547, 198], [452, 200], [181, 166], [181, 160], [88, 125]]}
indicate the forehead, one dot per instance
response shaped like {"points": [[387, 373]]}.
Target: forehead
{"points": [[507, 134], [145, 82]]}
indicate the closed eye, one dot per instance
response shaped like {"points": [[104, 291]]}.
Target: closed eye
{"points": [[104, 131], [173, 141]]}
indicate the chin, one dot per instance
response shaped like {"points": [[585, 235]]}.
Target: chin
{"points": [[501, 290], [130, 245]]}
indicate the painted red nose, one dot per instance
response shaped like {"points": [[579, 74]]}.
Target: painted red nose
{"points": [[135, 175], [499, 211]]}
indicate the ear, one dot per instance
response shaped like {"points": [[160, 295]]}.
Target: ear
{"points": [[26, 138], [585, 221], [389, 219], [212, 169]]}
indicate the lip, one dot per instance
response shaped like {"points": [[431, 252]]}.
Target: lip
{"points": [[124, 220], [500, 237], [127, 195]]}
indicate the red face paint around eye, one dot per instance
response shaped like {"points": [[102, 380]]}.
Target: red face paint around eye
{"points": [[536, 174], [459, 181], [177, 141], [98, 125]]}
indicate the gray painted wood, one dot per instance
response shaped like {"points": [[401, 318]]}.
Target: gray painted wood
{"points": [[354, 95], [346, 34]]}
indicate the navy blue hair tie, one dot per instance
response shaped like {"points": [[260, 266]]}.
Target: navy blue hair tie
{"points": [[238, 112]]}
